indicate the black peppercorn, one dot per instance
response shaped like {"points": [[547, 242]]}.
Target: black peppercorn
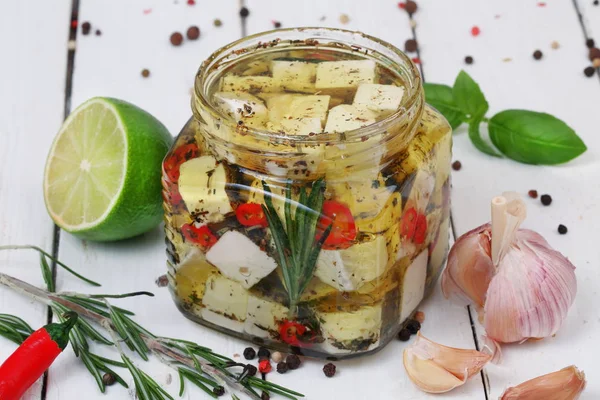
{"points": [[108, 379], [413, 326], [590, 43], [293, 361], [596, 2], [404, 335], [282, 367], [252, 370], [410, 45], [411, 7], [176, 39], [145, 74], [469, 60], [244, 12], [277, 24], [546, 199], [594, 53], [219, 390], [456, 165], [98, 32], [589, 71], [193, 33], [265, 396], [86, 27], [537, 55], [249, 353], [562, 229], [329, 370], [533, 194], [263, 353]]}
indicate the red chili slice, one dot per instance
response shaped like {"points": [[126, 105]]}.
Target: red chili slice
{"points": [[409, 223], [251, 214], [343, 230], [421, 229], [290, 331], [174, 160], [202, 236]]}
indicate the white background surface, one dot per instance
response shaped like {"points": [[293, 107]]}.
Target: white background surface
{"points": [[135, 35]]}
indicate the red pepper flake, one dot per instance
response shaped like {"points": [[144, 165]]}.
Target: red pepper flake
{"points": [[402, 5], [290, 331], [264, 366], [147, 11], [541, 4], [416, 60], [475, 31], [191, 2]]}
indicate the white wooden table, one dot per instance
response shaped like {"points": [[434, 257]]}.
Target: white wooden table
{"points": [[39, 84]]}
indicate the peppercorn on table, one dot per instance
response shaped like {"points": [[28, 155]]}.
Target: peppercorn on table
{"points": [[52, 62]]}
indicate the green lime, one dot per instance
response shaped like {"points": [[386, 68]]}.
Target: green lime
{"points": [[103, 174]]}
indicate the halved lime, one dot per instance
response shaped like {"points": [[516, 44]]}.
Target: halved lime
{"points": [[102, 178]]}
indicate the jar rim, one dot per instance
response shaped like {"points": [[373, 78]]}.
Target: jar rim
{"points": [[244, 46]]}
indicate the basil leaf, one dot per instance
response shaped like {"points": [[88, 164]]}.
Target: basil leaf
{"points": [[441, 98], [478, 142], [534, 138], [469, 97]]}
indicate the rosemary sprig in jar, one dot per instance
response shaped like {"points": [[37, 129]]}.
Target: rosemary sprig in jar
{"points": [[198, 364], [296, 244]]}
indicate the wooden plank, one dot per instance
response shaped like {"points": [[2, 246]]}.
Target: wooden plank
{"points": [[556, 85], [32, 82]]}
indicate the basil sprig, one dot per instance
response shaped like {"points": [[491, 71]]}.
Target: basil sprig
{"points": [[525, 136]]}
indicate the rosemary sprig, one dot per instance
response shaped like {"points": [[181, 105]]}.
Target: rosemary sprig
{"points": [[296, 245], [14, 328]]}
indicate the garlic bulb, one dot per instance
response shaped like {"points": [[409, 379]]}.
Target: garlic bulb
{"points": [[566, 384], [521, 286], [435, 368]]}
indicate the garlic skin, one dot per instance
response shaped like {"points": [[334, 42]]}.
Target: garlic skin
{"points": [[566, 384], [435, 368], [527, 293]]}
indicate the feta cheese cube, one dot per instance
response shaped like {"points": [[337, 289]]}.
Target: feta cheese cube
{"points": [[264, 316], [202, 186], [349, 269], [221, 320], [238, 258], [297, 114], [347, 117], [296, 76], [352, 330], [383, 99], [250, 84], [225, 297], [344, 74], [413, 285], [242, 106]]}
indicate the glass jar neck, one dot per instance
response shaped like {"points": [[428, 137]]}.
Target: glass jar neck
{"points": [[386, 137]]}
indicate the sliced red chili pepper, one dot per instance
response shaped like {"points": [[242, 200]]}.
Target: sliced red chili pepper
{"points": [[251, 214], [180, 155], [343, 230], [409, 223], [202, 236], [421, 229], [34, 357], [290, 331], [264, 366], [171, 194]]}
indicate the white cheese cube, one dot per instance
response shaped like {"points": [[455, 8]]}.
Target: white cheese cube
{"points": [[296, 76], [347, 117], [421, 191], [344, 74], [383, 99], [297, 114], [221, 320], [238, 258], [298, 126], [251, 84], [440, 245], [264, 316], [242, 106], [365, 196], [352, 330], [413, 285], [349, 269], [226, 297], [202, 186]]}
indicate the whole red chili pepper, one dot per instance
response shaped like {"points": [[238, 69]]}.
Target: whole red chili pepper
{"points": [[34, 357]]}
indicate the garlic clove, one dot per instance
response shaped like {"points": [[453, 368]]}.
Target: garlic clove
{"points": [[470, 268], [531, 293], [435, 368], [566, 384]]}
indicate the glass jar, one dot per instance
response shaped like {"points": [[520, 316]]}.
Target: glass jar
{"points": [[307, 200]]}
